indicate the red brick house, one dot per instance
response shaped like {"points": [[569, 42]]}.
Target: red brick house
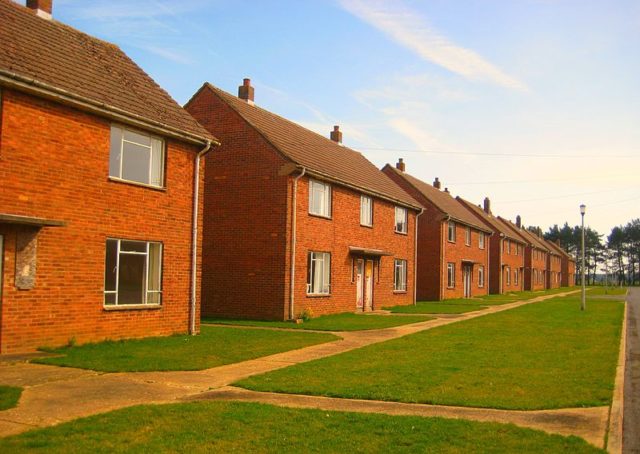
{"points": [[554, 264], [535, 256], [567, 272], [294, 221], [453, 246], [98, 171], [506, 251]]}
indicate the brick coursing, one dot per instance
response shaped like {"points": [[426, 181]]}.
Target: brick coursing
{"points": [[54, 163]]}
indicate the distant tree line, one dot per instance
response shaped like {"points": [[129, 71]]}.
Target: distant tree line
{"points": [[618, 256]]}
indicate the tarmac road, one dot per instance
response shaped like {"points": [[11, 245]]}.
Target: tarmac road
{"points": [[631, 424]]}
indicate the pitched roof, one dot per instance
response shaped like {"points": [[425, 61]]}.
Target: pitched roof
{"points": [[558, 250], [37, 52], [442, 200], [491, 221], [527, 236], [317, 154]]}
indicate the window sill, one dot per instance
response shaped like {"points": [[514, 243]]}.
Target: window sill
{"points": [[452, 242], [367, 226], [135, 183], [399, 292], [318, 295], [132, 307], [321, 216], [400, 233], [451, 288]]}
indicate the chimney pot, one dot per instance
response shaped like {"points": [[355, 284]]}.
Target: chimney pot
{"points": [[336, 134], [42, 8], [436, 183], [519, 221], [487, 205], [246, 91], [400, 165], [446, 190]]}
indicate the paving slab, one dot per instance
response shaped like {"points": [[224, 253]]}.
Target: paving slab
{"points": [[631, 415], [587, 423]]}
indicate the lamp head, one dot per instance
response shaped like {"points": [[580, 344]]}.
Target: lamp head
{"points": [[582, 209]]}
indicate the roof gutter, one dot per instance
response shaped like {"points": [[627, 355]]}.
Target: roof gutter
{"points": [[42, 89], [194, 238], [292, 265]]}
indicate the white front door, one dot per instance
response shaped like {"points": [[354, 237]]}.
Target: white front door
{"points": [[359, 284], [368, 285], [466, 278]]}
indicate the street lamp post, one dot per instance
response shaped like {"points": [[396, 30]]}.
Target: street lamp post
{"points": [[583, 304]]}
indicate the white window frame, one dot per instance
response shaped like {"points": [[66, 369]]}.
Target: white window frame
{"points": [[451, 275], [400, 275], [156, 155], [451, 232], [325, 203], [481, 276], [516, 276], [467, 236], [366, 210], [517, 249], [322, 259], [146, 291], [401, 220], [481, 240], [508, 272]]}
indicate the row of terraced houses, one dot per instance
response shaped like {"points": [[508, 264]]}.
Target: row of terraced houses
{"points": [[123, 214]]}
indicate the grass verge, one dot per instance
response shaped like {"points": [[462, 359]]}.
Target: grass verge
{"points": [[214, 346], [593, 291], [204, 427], [9, 396], [543, 355], [436, 307], [336, 322]]}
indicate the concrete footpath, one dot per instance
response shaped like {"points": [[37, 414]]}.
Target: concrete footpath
{"points": [[631, 421], [53, 394]]}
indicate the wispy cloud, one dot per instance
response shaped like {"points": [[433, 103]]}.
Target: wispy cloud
{"points": [[407, 28]]}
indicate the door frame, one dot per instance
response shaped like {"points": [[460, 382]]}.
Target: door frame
{"points": [[467, 273], [362, 290]]}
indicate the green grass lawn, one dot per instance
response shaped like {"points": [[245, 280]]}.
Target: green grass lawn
{"points": [[336, 322], [472, 304], [205, 427], [9, 396], [592, 291], [436, 307], [214, 346], [543, 355]]}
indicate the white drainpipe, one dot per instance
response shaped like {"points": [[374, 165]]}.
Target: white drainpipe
{"points": [[292, 266], [194, 237], [415, 261]]}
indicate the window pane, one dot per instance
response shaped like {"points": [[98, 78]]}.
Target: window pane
{"points": [[140, 139], [114, 154], [327, 273], [133, 246], [109, 299], [135, 162], [155, 266], [131, 278], [111, 264], [317, 274], [157, 162], [153, 297]]}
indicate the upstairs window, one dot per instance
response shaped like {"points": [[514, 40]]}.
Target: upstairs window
{"points": [[451, 234], [401, 220], [133, 273], [517, 249], [481, 240], [467, 236], [318, 273], [319, 198], [136, 157], [366, 210]]}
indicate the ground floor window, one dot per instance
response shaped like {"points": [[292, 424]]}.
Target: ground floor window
{"points": [[481, 276], [318, 273], [400, 275], [133, 273], [507, 275], [516, 276], [451, 275]]}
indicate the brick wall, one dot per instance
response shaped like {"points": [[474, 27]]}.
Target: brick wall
{"points": [[54, 163], [512, 259], [459, 254], [568, 272], [554, 270], [535, 264]]}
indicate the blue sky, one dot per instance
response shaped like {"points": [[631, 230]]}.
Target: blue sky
{"points": [[533, 103]]}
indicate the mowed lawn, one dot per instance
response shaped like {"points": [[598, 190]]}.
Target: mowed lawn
{"points": [[9, 396], [215, 346], [542, 355], [336, 322], [204, 427], [593, 291]]}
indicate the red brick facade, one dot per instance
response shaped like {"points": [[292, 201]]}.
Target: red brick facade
{"points": [[507, 265], [568, 272], [535, 274], [554, 270], [248, 230], [54, 164]]}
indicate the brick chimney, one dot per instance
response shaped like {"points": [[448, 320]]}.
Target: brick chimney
{"points": [[42, 8], [436, 183], [245, 91], [336, 134], [400, 165], [487, 205], [519, 221]]}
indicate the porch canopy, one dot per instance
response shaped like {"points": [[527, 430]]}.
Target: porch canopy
{"points": [[29, 220], [353, 250]]}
